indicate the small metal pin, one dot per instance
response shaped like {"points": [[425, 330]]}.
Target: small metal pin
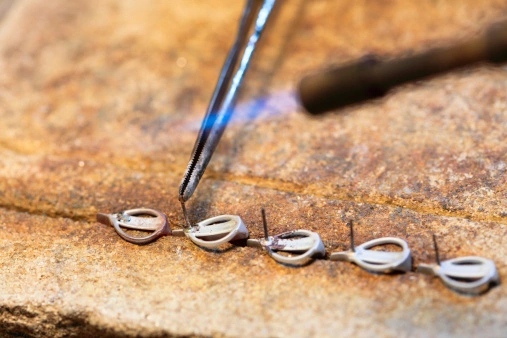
{"points": [[470, 275], [376, 261], [265, 224], [351, 225], [437, 255]]}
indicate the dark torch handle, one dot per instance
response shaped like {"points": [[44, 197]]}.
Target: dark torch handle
{"points": [[370, 78]]}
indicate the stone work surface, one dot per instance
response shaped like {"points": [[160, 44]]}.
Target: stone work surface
{"points": [[100, 103]]}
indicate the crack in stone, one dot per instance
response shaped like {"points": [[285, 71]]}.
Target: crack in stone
{"points": [[50, 214], [342, 195], [285, 187], [312, 189]]}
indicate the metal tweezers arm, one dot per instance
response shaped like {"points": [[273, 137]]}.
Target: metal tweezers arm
{"points": [[222, 102]]}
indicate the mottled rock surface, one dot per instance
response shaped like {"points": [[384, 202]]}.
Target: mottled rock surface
{"points": [[100, 103]]}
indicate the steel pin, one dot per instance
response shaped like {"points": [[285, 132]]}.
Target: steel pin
{"points": [[436, 249], [351, 225], [265, 224]]}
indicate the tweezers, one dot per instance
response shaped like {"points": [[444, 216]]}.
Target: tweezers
{"points": [[222, 102]]}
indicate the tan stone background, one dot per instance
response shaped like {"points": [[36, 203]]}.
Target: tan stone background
{"points": [[100, 103]]}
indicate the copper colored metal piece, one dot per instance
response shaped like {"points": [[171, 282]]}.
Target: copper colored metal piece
{"points": [[209, 233], [131, 219]]}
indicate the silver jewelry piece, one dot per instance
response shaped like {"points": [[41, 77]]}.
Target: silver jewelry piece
{"points": [[218, 230], [376, 261], [131, 219], [209, 233], [307, 243], [470, 275]]}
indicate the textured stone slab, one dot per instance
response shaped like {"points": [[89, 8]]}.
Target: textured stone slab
{"points": [[65, 277], [70, 89], [100, 103]]}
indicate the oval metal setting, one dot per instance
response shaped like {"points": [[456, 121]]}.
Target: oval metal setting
{"points": [[308, 243], [378, 261], [218, 230], [131, 219]]}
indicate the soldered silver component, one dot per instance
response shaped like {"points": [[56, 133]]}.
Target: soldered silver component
{"points": [[376, 261], [133, 219], [470, 275], [303, 244], [218, 230], [209, 233]]}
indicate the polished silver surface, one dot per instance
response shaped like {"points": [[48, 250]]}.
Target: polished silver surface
{"points": [[141, 219], [301, 245], [470, 275], [378, 261], [215, 231]]}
